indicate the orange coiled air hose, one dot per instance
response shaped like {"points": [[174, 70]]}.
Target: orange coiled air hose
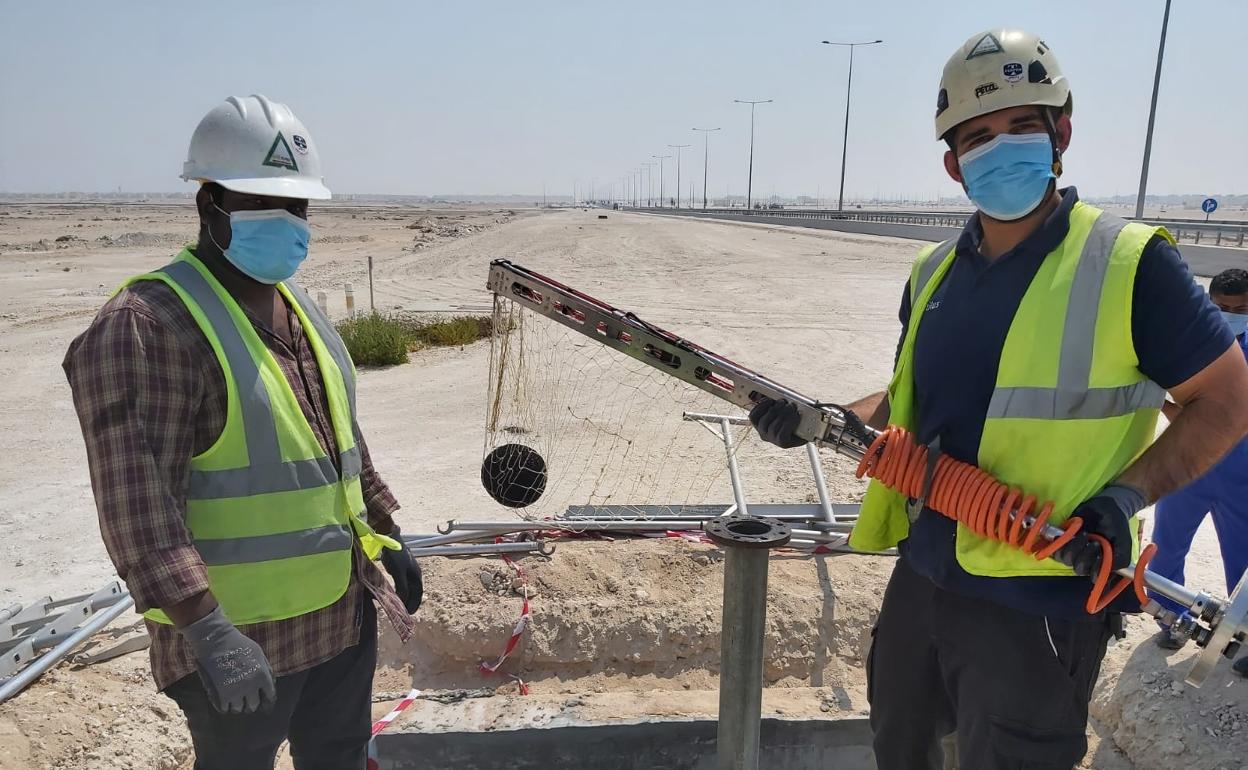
{"points": [[973, 498]]}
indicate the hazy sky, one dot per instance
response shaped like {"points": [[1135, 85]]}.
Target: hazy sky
{"points": [[499, 97]]}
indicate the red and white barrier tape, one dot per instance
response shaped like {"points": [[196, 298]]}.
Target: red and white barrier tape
{"points": [[384, 722], [521, 625]]}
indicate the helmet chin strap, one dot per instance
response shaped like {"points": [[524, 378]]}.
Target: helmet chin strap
{"points": [[1050, 126]]}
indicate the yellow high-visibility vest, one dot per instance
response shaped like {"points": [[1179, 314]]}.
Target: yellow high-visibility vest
{"points": [[1070, 409], [272, 516]]}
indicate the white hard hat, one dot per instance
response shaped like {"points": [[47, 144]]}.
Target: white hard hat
{"points": [[997, 69], [250, 144]]}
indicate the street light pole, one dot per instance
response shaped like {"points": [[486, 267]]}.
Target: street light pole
{"points": [[649, 184], [749, 183], [678, 148], [1152, 116], [849, 84], [705, 154], [660, 159]]}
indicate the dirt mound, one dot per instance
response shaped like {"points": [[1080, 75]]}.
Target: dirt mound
{"points": [[644, 614], [1159, 721], [105, 717], [131, 240], [441, 227], [321, 239]]}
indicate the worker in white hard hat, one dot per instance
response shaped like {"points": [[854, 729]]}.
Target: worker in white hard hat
{"points": [[1038, 345], [236, 495]]}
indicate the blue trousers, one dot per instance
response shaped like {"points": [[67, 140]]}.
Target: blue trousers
{"points": [[1221, 493]]}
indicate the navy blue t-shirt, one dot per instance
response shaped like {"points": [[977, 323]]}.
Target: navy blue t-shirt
{"points": [[1176, 329]]}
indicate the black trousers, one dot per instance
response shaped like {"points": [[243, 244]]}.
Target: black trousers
{"points": [[1013, 687], [324, 711]]}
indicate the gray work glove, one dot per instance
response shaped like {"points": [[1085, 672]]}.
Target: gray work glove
{"points": [[1108, 514], [233, 668]]}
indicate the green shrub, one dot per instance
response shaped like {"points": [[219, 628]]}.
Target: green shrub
{"points": [[447, 332], [375, 339]]}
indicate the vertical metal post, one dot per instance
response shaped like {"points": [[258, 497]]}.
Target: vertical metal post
{"points": [[372, 306], [1152, 116], [741, 657], [816, 468], [734, 474], [749, 184], [840, 201], [746, 541], [706, 154], [678, 148], [749, 181]]}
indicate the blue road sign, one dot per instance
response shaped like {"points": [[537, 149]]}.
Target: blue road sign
{"points": [[1209, 206]]}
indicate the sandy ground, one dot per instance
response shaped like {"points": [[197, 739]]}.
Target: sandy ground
{"points": [[816, 310]]}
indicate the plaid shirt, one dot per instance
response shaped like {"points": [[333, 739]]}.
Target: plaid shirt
{"points": [[150, 395]]}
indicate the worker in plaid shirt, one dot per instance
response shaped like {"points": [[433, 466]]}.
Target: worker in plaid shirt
{"points": [[159, 381]]}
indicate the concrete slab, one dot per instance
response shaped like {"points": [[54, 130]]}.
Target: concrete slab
{"points": [[786, 744]]}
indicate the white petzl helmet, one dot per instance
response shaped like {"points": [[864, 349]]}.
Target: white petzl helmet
{"points": [[250, 144], [997, 69]]}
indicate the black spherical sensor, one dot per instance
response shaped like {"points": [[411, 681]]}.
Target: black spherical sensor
{"points": [[514, 475]]}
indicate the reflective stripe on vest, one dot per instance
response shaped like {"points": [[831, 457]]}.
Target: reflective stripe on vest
{"points": [[931, 263], [283, 545], [1073, 399], [267, 472]]}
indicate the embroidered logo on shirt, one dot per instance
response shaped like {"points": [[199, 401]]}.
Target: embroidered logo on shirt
{"points": [[933, 305]]}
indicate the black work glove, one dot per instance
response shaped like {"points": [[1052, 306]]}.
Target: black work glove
{"points": [[1108, 514], [233, 668], [402, 566], [775, 422]]}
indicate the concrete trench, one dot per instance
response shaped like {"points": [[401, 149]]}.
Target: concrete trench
{"points": [[682, 744]]}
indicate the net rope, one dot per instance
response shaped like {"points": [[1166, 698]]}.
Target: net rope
{"points": [[610, 428]]}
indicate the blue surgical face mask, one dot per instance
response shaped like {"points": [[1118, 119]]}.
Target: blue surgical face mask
{"points": [[1237, 321], [267, 245], [1006, 178]]}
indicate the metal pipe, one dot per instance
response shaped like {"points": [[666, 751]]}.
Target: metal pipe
{"points": [[482, 549], [816, 469], [52, 657], [734, 473], [485, 528], [447, 539], [1152, 116], [1193, 600], [573, 521], [707, 417], [741, 657], [816, 536], [746, 541]]}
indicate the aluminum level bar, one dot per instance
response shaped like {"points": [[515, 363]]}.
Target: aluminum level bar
{"points": [[625, 332]]}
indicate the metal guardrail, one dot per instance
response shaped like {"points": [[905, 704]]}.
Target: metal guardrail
{"points": [[1212, 233]]}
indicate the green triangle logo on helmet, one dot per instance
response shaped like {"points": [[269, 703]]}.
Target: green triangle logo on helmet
{"points": [[280, 154], [986, 45]]}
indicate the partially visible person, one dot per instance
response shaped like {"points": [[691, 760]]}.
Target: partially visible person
{"points": [[1221, 493]]}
